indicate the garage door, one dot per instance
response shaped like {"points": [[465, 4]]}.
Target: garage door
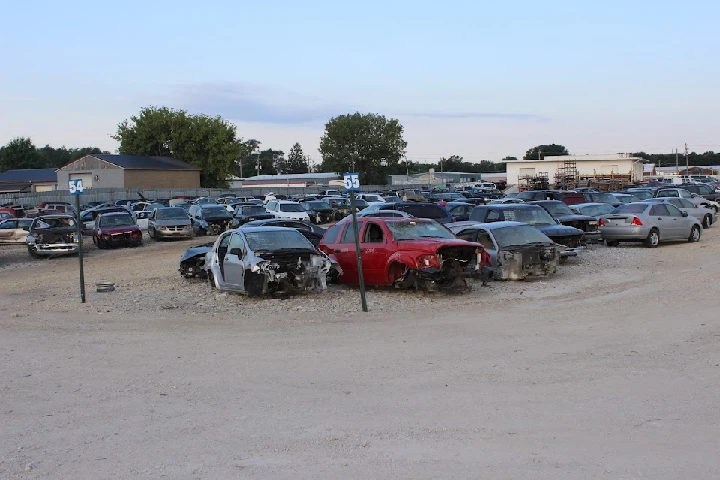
{"points": [[86, 178]]}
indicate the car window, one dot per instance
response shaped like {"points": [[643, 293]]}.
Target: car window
{"points": [[660, 210], [236, 241], [332, 233], [631, 208], [425, 211], [291, 207], [8, 224], [673, 210], [467, 234], [485, 239], [668, 193], [683, 203], [373, 233], [349, 234], [493, 216], [225, 241]]}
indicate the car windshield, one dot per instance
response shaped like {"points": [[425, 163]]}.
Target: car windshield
{"points": [[642, 194], [604, 197], [596, 210], [414, 230], [173, 213], [46, 222], [372, 198], [219, 211], [153, 206], [519, 235], [557, 209], [532, 216], [392, 199], [116, 220], [631, 208], [339, 202], [291, 207], [426, 211], [526, 195], [252, 210], [316, 204], [627, 198], [277, 240]]}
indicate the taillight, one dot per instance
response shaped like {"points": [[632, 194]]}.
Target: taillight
{"points": [[636, 221], [601, 222]]}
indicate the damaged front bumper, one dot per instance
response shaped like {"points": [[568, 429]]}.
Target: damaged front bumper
{"points": [[518, 264], [276, 275]]}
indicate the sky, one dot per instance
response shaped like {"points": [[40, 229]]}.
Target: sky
{"points": [[482, 80]]}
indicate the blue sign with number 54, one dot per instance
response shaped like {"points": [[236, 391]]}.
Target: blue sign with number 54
{"points": [[352, 181], [76, 187]]}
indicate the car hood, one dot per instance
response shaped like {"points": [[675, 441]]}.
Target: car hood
{"points": [[430, 245], [559, 230], [119, 229], [575, 218], [320, 210], [197, 250], [259, 216]]}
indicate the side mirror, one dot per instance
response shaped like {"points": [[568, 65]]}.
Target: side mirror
{"points": [[236, 251], [684, 214]]}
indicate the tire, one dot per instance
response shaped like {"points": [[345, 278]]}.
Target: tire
{"points": [[612, 243], [707, 221], [151, 233], [694, 234], [653, 239], [100, 244]]}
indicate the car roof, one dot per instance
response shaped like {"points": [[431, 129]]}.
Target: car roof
{"points": [[510, 206], [261, 229], [486, 226], [56, 215], [454, 204], [589, 204], [109, 214], [540, 202]]}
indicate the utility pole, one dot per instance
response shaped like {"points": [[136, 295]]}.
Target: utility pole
{"points": [[687, 165], [241, 175], [539, 152], [258, 163], [677, 166]]}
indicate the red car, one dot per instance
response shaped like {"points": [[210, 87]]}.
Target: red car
{"points": [[116, 228], [405, 253]]}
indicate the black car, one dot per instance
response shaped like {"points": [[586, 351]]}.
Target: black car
{"points": [[209, 219], [247, 212], [287, 222], [705, 191], [563, 214], [460, 211], [536, 216], [319, 211], [429, 210]]}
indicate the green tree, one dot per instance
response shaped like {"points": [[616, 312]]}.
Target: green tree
{"points": [[20, 153], [541, 151], [206, 142], [369, 144], [296, 162]]}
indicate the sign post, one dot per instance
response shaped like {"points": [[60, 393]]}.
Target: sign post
{"points": [[352, 185], [76, 189]]}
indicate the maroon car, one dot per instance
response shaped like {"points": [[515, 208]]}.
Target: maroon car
{"points": [[404, 253], [116, 228]]}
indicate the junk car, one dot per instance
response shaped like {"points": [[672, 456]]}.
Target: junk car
{"points": [[404, 253], [516, 250], [114, 229], [14, 231], [260, 260], [53, 235], [209, 219]]}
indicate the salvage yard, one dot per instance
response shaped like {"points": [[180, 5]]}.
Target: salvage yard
{"points": [[609, 369]]}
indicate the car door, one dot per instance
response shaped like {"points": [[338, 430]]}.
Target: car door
{"points": [[375, 253], [234, 262], [681, 224], [660, 215], [344, 252], [7, 230]]}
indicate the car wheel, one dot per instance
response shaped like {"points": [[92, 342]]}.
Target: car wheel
{"points": [[612, 243], [694, 234], [100, 244], [151, 233], [707, 221], [32, 252], [653, 239]]}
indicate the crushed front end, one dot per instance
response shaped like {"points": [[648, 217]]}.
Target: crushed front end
{"points": [[216, 226], [192, 263], [449, 268], [51, 242], [518, 263], [287, 272]]}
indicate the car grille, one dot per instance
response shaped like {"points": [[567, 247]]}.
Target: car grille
{"points": [[572, 241], [176, 228]]}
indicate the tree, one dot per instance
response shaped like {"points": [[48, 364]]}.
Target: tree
{"points": [[369, 144], [296, 162], [206, 142], [541, 151], [20, 153]]}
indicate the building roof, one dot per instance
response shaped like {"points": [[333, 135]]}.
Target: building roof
{"points": [[296, 176], [29, 175], [15, 187], [140, 162], [580, 158]]}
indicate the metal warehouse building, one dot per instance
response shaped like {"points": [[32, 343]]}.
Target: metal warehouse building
{"points": [[586, 165], [129, 171]]}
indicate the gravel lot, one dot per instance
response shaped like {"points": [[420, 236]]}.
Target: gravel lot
{"points": [[610, 369]]}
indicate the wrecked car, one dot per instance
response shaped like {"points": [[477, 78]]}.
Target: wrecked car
{"points": [[192, 262], [566, 216], [261, 260], [516, 250], [209, 219], [404, 253], [116, 228], [53, 235], [14, 230]]}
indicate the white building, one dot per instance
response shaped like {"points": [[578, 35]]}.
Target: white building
{"points": [[587, 165]]}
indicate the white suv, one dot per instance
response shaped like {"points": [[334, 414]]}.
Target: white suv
{"points": [[287, 209]]}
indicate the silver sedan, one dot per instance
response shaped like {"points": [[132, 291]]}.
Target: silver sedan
{"points": [[704, 215], [650, 223]]}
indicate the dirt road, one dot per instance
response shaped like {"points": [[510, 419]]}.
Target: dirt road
{"points": [[610, 370]]}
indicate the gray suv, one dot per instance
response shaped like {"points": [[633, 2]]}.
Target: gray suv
{"points": [[169, 222]]}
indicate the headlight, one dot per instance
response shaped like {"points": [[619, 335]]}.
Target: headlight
{"points": [[428, 261]]}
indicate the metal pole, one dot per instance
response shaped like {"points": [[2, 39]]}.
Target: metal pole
{"points": [[358, 256], [687, 165], [80, 253], [677, 167]]}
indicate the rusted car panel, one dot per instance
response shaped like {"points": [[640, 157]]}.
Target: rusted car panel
{"points": [[262, 260], [53, 235], [404, 253], [516, 250]]}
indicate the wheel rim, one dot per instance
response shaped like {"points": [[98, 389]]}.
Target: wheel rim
{"points": [[654, 239], [695, 234]]}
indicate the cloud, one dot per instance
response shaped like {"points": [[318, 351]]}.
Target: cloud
{"points": [[246, 102]]}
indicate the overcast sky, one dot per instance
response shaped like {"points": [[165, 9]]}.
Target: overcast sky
{"points": [[478, 79]]}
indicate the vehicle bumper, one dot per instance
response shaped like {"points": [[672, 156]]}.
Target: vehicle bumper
{"points": [[174, 233], [56, 248], [593, 237], [630, 233]]}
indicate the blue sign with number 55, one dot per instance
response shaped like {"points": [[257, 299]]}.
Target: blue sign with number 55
{"points": [[76, 187], [352, 181]]}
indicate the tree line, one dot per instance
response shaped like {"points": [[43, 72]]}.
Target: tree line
{"points": [[21, 153]]}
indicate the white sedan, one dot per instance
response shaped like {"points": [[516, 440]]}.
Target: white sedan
{"points": [[287, 209]]}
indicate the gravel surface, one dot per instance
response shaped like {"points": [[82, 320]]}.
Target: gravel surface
{"points": [[608, 369]]}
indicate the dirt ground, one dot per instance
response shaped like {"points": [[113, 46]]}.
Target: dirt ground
{"points": [[610, 369]]}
